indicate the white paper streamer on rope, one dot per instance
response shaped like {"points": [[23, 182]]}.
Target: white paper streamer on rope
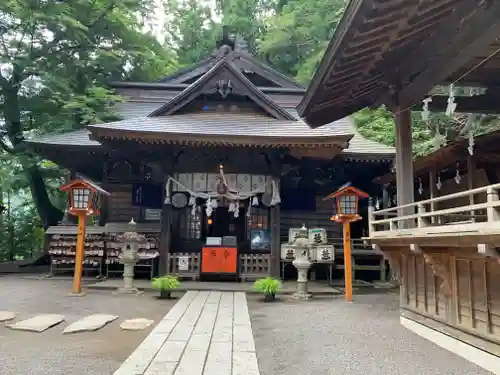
{"points": [[425, 109], [167, 192], [231, 194], [420, 186], [458, 178], [255, 201], [276, 199], [236, 209], [209, 209], [471, 143], [452, 106]]}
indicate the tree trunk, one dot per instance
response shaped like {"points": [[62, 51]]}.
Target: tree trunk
{"points": [[49, 214]]}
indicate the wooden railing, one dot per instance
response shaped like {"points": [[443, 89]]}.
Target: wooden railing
{"points": [[426, 216]]}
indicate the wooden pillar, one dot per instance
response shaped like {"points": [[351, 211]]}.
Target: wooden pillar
{"points": [[275, 221], [385, 200], [275, 241], [165, 224], [404, 160], [471, 183], [432, 193], [104, 200]]}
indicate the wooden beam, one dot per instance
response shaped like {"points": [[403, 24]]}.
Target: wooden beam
{"points": [[478, 26]]}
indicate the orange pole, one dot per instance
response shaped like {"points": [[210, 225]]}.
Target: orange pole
{"points": [[347, 261], [80, 253]]}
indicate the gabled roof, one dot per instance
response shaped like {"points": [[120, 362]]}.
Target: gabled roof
{"points": [[243, 61], [223, 70]]}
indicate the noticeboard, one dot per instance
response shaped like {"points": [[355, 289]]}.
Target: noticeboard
{"points": [[222, 260]]}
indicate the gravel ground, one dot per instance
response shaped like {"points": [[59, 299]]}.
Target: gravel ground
{"points": [[50, 353], [326, 336]]}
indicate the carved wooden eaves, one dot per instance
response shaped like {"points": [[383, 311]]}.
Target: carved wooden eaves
{"points": [[225, 79]]}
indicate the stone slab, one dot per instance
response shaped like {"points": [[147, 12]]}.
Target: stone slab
{"points": [[38, 323], [199, 341], [171, 351], [191, 363], [6, 316], [245, 363], [161, 368], [219, 359], [90, 323], [136, 324]]}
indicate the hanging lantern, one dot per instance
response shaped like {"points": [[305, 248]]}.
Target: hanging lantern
{"points": [[345, 205], [83, 197]]}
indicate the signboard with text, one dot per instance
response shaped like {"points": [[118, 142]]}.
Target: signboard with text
{"points": [[219, 260]]}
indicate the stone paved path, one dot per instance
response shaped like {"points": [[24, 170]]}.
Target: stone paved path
{"points": [[205, 333]]}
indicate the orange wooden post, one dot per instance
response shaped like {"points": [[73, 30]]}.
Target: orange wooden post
{"points": [[80, 254], [346, 212], [83, 202], [347, 261]]}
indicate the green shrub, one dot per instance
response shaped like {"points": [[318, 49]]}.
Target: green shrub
{"points": [[164, 283], [267, 285]]}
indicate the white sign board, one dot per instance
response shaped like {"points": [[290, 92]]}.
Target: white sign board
{"points": [[183, 263], [151, 214]]}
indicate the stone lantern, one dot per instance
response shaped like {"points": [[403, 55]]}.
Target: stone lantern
{"points": [[129, 257], [301, 263]]}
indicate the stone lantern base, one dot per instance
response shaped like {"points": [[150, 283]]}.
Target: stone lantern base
{"points": [[128, 277], [302, 264], [301, 294]]}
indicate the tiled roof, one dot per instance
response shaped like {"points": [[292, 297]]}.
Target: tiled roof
{"points": [[136, 112], [74, 138], [227, 123]]}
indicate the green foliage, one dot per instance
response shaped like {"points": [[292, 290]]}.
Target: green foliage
{"points": [[267, 285], [165, 283]]}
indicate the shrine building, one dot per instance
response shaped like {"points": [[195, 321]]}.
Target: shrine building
{"points": [[215, 156]]}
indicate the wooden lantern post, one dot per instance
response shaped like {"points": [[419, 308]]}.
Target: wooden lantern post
{"points": [[346, 212], [83, 202]]}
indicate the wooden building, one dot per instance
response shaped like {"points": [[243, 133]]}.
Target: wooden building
{"points": [[162, 165], [446, 247]]}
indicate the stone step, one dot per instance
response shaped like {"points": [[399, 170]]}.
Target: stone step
{"points": [[90, 323]]}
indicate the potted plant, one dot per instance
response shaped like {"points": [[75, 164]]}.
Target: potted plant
{"points": [[269, 287], [165, 284]]}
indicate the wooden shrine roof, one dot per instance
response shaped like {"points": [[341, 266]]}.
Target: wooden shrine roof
{"points": [[485, 151], [359, 147], [384, 47], [174, 111]]}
